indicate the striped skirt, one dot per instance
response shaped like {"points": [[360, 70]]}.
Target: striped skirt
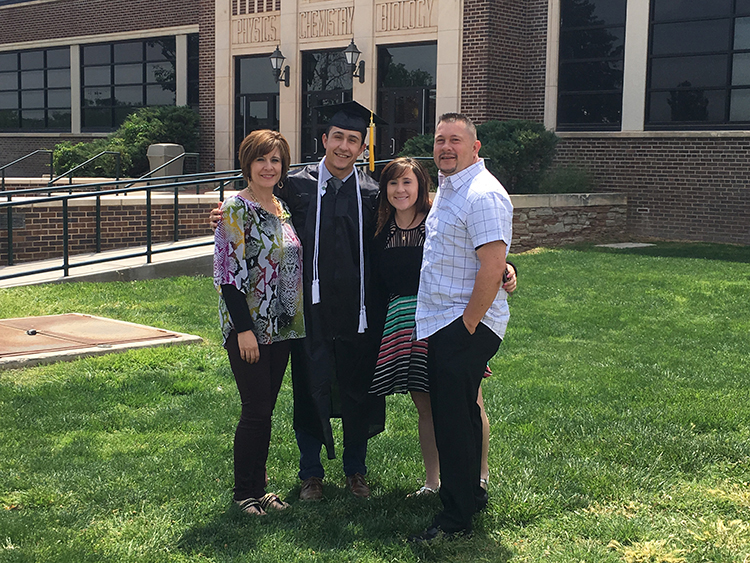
{"points": [[402, 362]]}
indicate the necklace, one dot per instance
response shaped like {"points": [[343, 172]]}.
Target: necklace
{"points": [[408, 227], [277, 209]]}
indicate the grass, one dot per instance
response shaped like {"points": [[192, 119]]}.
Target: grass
{"points": [[619, 404]]}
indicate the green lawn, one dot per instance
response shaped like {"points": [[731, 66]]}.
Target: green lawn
{"points": [[620, 411]]}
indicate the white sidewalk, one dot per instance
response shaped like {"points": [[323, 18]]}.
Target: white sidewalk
{"points": [[184, 262]]}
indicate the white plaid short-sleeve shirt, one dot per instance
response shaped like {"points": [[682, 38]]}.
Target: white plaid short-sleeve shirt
{"points": [[471, 209]]}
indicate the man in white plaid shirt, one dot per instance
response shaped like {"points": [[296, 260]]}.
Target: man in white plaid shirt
{"points": [[463, 310]]}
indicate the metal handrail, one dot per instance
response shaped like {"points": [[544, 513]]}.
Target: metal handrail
{"points": [[69, 173], [65, 198], [178, 157], [95, 186], [116, 187], [51, 164]]}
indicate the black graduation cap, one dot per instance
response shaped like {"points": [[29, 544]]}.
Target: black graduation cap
{"points": [[351, 116]]}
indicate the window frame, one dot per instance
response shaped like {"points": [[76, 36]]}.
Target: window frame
{"points": [[725, 90], [114, 112], [24, 92], [583, 94]]}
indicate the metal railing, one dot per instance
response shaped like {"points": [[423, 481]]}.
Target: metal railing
{"points": [[96, 191], [69, 173], [51, 164], [220, 181]]}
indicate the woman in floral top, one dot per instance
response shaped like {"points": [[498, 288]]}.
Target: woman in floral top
{"points": [[258, 271]]}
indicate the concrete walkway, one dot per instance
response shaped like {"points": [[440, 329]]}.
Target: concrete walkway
{"points": [[180, 262], [30, 341]]}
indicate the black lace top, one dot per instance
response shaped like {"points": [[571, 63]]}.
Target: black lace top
{"points": [[399, 258]]}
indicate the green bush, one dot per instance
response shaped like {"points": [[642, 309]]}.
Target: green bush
{"points": [[421, 145], [163, 124], [566, 180], [518, 152], [68, 155]]}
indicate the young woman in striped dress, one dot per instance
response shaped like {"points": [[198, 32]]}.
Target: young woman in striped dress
{"points": [[402, 361]]}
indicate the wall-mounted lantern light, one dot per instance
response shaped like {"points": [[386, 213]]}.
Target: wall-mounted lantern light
{"points": [[352, 55], [277, 61]]}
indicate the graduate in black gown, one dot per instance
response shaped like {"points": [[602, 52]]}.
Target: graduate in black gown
{"points": [[333, 209]]}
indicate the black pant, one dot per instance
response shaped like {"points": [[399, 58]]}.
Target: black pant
{"points": [[456, 361], [259, 385]]}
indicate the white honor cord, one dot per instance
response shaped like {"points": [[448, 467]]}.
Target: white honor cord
{"points": [[316, 278]]}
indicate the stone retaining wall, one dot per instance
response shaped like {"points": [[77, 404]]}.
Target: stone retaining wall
{"points": [[559, 219], [539, 220]]}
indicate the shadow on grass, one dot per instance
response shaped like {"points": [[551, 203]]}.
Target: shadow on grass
{"points": [[704, 251], [338, 528]]}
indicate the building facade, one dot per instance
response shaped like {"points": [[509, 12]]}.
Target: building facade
{"points": [[651, 96]]}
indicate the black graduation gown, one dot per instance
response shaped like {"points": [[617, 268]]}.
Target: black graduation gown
{"points": [[333, 366]]}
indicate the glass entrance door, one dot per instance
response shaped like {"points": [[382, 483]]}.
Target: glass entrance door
{"points": [[409, 112], [256, 111], [406, 95], [326, 80], [256, 98]]}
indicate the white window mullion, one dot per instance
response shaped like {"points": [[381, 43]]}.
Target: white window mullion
{"points": [[181, 70], [75, 89], [636, 64]]}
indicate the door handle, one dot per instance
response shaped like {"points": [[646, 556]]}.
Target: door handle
{"points": [[393, 146], [316, 145]]}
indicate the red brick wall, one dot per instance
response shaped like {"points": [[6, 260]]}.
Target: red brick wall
{"points": [[677, 188], [535, 48], [72, 18], [122, 227], [504, 54], [207, 49]]}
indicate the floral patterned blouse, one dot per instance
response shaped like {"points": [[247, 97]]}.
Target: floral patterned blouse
{"points": [[261, 255]]}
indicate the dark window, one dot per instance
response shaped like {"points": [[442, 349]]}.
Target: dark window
{"points": [[119, 78], [699, 65], [35, 90], [684, 9], [592, 49]]}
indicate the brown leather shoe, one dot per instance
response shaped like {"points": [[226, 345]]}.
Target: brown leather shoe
{"points": [[312, 489], [357, 485]]}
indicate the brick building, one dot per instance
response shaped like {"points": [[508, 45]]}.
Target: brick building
{"points": [[652, 96]]}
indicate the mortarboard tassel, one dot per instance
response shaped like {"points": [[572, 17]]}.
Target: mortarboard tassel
{"points": [[372, 144]]}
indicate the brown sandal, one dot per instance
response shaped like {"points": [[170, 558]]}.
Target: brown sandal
{"points": [[272, 501]]}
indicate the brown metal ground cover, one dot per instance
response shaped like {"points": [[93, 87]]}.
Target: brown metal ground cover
{"points": [[33, 340]]}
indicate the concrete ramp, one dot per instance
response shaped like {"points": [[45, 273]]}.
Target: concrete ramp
{"points": [[30, 341]]}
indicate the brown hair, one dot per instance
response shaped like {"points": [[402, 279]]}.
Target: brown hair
{"points": [[260, 143], [459, 118], [393, 170]]}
